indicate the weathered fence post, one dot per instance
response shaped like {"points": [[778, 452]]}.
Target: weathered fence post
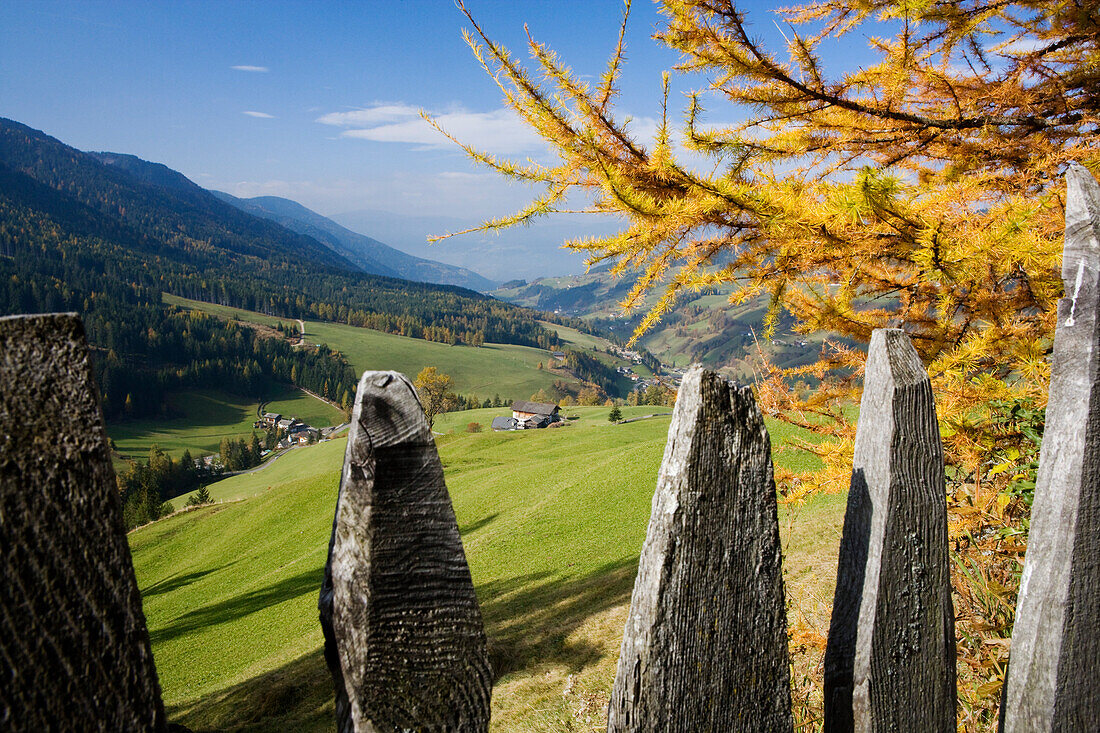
{"points": [[404, 638], [72, 633], [1054, 665], [705, 645], [890, 660]]}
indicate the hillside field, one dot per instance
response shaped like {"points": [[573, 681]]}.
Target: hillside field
{"points": [[201, 418], [493, 369], [702, 326], [552, 522]]}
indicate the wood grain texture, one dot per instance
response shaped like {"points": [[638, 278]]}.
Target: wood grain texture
{"points": [[73, 639], [404, 638], [890, 660], [1055, 659], [705, 644]]}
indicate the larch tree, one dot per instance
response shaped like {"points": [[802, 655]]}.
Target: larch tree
{"points": [[434, 388], [923, 191]]}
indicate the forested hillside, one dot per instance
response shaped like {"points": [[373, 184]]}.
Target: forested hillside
{"points": [[59, 255], [702, 327], [78, 233], [178, 238]]}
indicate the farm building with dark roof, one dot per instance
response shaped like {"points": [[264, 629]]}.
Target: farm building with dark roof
{"points": [[521, 410], [505, 423]]}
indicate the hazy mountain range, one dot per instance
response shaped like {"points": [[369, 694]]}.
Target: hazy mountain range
{"points": [[367, 253], [520, 252]]}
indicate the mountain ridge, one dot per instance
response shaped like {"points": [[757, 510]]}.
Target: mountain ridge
{"points": [[106, 235], [368, 253]]}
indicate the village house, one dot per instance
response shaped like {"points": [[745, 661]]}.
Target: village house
{"points": [[270, 418], [530, 415], [290, 425]]}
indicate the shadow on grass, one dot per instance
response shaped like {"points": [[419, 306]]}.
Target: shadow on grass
{"points": [[528, 619], [177, 581], [296, 697], [198, 410], [241, 605], [476, 524]]}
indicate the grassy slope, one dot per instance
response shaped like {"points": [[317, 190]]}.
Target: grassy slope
{"points": [[297, 463], [230, 590], [224, 311], [203, 417], [456, 422], [312, 410], [509, 371], [576, 338]]}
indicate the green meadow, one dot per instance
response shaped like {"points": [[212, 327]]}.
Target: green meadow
{"points": [[199, 419], [226, 312], [552, 522], [493, 369]]}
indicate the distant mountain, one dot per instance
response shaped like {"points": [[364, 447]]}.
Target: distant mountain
{"points": [[179, 221], [76, 225], [528, 252], [369, 254], [702, 327], [156, 174]]}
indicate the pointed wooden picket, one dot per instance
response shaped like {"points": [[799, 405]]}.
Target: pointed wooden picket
{"points": [[404, 638]]}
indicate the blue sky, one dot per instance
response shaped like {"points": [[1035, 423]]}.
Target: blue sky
{"points": [[315, 101]]}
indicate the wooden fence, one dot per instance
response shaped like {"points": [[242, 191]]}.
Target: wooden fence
{"points": [[705, 644]]}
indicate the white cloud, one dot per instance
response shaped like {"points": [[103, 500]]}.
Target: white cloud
{"points": [[466, 177], [500, 131], [257, 69], [374, 115], [261, 115]]}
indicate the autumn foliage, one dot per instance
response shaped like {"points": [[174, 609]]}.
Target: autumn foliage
{"points": [[923, 191], [434, 390]]}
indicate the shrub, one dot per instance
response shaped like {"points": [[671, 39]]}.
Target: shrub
{"points": [[474, 427]]}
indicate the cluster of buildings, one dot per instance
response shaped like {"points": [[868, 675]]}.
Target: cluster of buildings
{"points": [[528, 416], [640, 383], [622, 353], [291, 430]]}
